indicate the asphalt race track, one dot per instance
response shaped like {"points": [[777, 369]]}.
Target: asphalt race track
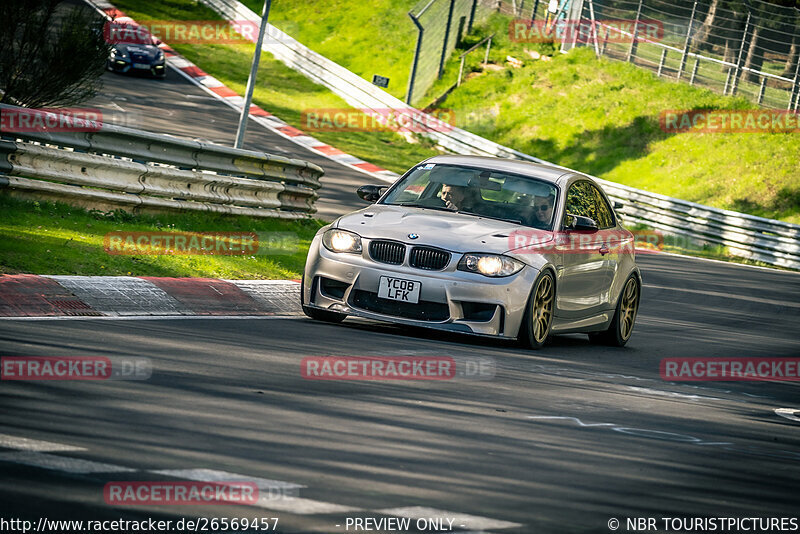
{"points": [[561, 440]]}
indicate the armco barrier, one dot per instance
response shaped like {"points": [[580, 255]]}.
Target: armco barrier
{"points": [[758, 238], [121, 167]]}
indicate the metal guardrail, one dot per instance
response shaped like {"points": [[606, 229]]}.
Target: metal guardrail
{"points": [[112, 166], [773, 242]]}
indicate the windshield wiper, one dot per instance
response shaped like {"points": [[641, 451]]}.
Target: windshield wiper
{"points": [[423, 206], [489, 217]]}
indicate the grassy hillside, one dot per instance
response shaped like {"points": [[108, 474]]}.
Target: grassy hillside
{"points": [[598, 116]]}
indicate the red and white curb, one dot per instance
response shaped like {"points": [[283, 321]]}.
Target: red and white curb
{"points": [[27, 295], [221, 92]]}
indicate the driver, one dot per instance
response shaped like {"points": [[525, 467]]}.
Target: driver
{"points": [[460, 198]]}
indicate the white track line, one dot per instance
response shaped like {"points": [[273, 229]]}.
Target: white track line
{"points": [[213, 475], [34, 445], [273, 495], [61, 463], [472, 522]]}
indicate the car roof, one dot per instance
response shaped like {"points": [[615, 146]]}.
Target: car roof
{"points": [[548, 173]]}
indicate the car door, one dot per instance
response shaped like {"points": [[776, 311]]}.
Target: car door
{"points": [[586, 268]]}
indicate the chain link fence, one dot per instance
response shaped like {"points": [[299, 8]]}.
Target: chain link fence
{"points": [[735, 47], [441, 24]]}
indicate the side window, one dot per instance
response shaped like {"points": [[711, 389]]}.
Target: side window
{"points": [[581, 200], [605, 217]]}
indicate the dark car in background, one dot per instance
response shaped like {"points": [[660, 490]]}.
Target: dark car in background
{"points": [[142, 58]]}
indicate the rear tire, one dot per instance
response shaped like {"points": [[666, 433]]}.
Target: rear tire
{"points": [[316, 313], [538, 319], [621, 327]]}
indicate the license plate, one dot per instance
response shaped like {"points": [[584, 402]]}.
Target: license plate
{"points": [[141, 66], [399, 289]]}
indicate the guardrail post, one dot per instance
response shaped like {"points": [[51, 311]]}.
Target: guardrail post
{"points": [[686, 43], [632, 49], [761, 90], [412, 77], [694, 71], [446, 37]]}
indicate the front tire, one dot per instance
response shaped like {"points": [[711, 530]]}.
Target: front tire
{"points": [[538, 318], [621, 327], [316, 313]]}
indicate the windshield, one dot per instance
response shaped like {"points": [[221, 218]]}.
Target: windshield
{"points": [[521, 199]]}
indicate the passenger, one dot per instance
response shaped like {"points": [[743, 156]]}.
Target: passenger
{"points": [[542, 211]]}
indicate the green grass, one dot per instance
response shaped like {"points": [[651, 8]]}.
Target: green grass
{"points": [[375, 37], [280, 90], [54, 238]]}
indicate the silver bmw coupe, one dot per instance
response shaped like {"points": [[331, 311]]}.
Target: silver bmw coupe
{"points": [[483, 246]]}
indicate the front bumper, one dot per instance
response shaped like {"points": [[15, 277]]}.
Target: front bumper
{"points": [[125, 65], [449, 299]]}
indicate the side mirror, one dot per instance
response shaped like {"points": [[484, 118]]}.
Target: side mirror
{"points": [[370, 193], [580, 223], [618, 205]]}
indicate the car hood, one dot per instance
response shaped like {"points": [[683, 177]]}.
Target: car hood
{"points": [[450, 231]]}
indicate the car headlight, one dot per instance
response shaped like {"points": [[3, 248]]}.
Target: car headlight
{"points": [[494, 265], [342, 241], [160, 56], [118, 53]]}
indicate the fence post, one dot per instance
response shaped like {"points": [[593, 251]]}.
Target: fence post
{"points": [[471, 15], [661, 63], [488, 46], [446, 37], [795, 93], [632, 49], [694, 71], [533, 11], [412, 77], [761, 90], [574, 16], [605, 41], [594, 28], [739, 58], [686, 43], [460, 71]]}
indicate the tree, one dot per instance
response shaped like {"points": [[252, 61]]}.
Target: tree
{"points": [[794, 54], [51, 53], [703, 37]]}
